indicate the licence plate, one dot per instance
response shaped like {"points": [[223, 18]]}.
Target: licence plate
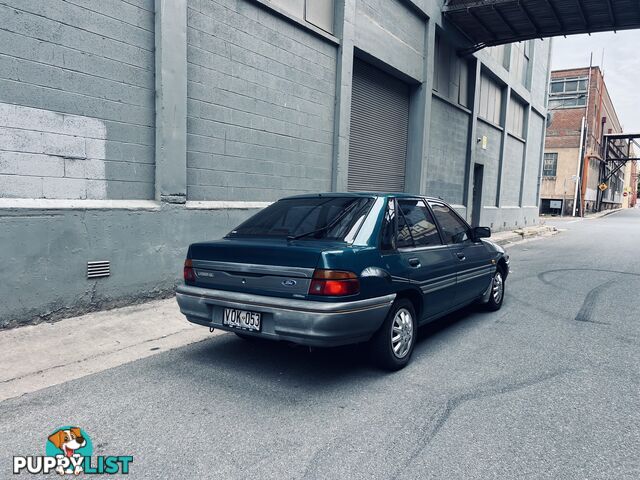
{"points": [[242, 319]]}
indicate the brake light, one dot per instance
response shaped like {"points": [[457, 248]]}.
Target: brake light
{"points": [[334, 283], [189, 274]]}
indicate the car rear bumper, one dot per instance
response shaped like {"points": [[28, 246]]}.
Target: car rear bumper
{"points": [[306, 322]]}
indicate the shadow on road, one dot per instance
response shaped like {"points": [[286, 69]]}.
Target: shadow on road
{"points": [[300, 366]]}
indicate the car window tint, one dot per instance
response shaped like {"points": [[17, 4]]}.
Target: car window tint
{"points": [[319, 217], [454, 230], [404, 238], [416, 225], [388, 225]]}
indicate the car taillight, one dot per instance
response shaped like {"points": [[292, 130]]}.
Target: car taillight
{"points": [[334, 283], [189, 274]]}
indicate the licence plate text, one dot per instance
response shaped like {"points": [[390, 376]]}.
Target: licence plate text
{"points": [[243, 319]]}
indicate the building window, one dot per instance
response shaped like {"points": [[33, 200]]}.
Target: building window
{"points": [[550, 165], [515, 123], [490, 100], [568, 93], [451, 75], [317, 12]]}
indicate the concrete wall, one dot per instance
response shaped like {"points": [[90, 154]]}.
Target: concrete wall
{"points": [[392, 33], [145, 243], [490, 158], [540, 71], [555, 187], [261, 97], [447, 158], [531, 179], [77, 99], [512, 174]]}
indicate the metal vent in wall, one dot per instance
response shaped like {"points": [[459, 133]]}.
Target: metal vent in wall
{"points": [[98, 269]]}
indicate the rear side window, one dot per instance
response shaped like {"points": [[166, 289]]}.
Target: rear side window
{"points": [[329, 218], [454, 230], [416, 227]]}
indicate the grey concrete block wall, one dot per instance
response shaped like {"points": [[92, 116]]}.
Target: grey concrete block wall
{"points": [[77, 99], [391, 31], [447, 160], [261, 95], [512, 172], [146, 248], [540, 72], [533, 159], [490, 158]]}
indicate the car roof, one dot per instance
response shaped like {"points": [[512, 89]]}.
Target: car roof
{"points": [[363, 194]]}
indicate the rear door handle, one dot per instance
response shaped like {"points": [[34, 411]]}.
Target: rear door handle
{"points": [[414, 262], [461, 256]]}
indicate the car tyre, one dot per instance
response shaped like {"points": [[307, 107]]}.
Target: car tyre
{"points": [[496, 296], [392, 345]]}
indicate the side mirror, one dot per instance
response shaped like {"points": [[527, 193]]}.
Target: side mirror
{"points": [[481, 232]]}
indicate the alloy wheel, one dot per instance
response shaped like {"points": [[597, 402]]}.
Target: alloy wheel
{"points": [[497, 290], [402, 333]]}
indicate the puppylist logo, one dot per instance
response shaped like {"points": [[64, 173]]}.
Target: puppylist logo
{"points": [[69, 450]]}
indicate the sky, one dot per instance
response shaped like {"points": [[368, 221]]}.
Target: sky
{"points": [[621, 67]]}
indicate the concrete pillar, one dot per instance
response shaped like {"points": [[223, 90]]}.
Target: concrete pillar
{"points": [[420, 119], [525, 158], [472, 145], [171, 100], [345, 19]]}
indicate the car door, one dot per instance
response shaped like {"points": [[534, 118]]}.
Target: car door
{"points": [[475, 265], [422, 256]]}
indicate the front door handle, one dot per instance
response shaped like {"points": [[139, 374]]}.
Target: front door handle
{"points": [[461, 256], [414, 262]]}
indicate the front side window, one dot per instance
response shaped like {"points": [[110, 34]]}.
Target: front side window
{"points": [[416, 227], [326, 218], [454, 230]]}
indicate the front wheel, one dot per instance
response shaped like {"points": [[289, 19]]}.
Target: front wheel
{"points": [[392, 345], [496, 297]]}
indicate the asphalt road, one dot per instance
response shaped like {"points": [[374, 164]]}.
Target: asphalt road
{"points": [[548, 387]]}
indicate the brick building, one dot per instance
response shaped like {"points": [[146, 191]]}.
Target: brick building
{"points": [[568, 171], [131, 128]]}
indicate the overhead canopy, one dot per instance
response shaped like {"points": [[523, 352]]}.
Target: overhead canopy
{"points": [[495, 22]]}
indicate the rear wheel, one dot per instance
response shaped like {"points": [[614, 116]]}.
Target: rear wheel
{"points": [[496, 297], [391, 347]]}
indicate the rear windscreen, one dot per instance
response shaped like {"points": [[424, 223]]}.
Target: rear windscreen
{"points": [[331, 218]]}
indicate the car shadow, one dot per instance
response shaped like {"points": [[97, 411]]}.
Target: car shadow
{"points": [[264, 361]]}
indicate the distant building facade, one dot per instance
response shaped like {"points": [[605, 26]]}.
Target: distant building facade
{"points": [[572, 169], [130, 129], [630, 195]]}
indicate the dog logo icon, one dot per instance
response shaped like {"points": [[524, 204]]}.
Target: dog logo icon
{"points": [[72, 443], [69, 450]]}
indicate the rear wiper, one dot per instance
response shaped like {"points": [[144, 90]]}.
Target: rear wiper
{"points": [[333, 223]]}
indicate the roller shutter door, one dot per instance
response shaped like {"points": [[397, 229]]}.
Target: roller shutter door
{"points": [[379, 128]]}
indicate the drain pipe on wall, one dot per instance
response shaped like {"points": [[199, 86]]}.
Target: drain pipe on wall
{"points": [[578, 172]]}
